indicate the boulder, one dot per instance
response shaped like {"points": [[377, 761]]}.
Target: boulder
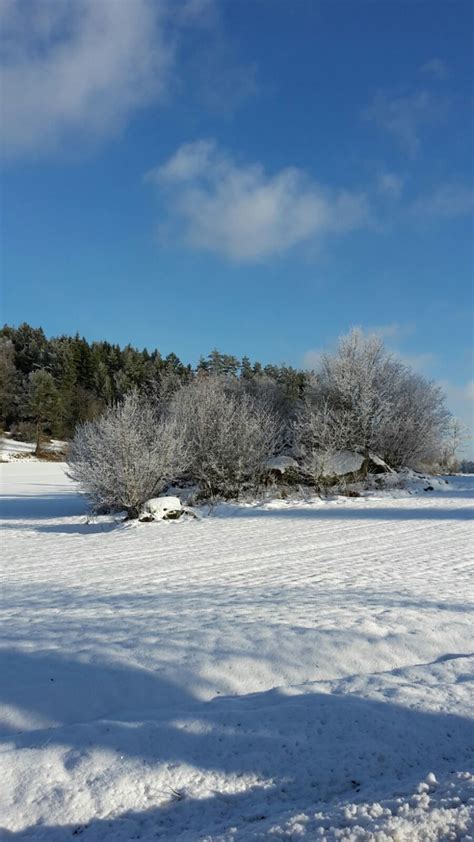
{"points": [[376, 465], [350, 464], [340, 463], [161, 508], [280, 464]]}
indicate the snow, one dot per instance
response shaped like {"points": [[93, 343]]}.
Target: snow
{"points": [[10, 449], [340, 462], [162, 507], [286, 670], [281, 463], [379, 462]]}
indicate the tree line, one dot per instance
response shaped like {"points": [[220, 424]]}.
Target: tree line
{"points": [[216, 424], [50, 385]]}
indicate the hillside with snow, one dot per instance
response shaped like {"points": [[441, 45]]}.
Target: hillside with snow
{"points": [[277, 671]]}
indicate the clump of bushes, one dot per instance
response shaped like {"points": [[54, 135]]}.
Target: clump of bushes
{"points": [[206, 433], [219, 431]]}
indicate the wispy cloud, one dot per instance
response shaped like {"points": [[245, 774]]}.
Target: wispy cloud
{"points": [[460, 400], [312, 359], [241, 212], [221, 82], [422, 361], [390, 184], [74, 73], [392, 331], [78, 68], [469, 391], [447, 200], [435, 68], [213, 72], [394, 335], [406, 117], [461, 395]]}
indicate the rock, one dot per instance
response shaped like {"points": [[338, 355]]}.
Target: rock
{"points": [[376, 465], [348, 463], [161, 508], [340, 463], [280, 464]]}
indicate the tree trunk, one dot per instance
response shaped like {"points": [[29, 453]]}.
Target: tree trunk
{"points": [[38, 438]]}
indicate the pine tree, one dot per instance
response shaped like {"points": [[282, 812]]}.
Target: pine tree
{"points": [[8, 379], [43, 402], [246, 371]]}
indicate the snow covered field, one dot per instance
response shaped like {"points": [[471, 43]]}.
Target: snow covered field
{"points": [[277, 672]]}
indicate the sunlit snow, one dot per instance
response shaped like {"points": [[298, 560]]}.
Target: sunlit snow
{"points": [[277, 671]]}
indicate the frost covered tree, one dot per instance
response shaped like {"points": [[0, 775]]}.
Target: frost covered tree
{"points": [[127, 455], [413, 432], [363, 399], [457, 435], [318, 433], [229, 433]]}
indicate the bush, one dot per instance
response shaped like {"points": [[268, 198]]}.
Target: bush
{"points": [[229, 434], [363, 399], [127, 455]]}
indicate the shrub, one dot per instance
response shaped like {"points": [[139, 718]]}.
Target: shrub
{"points": [[363, 399], [229, 434], [127, 455]]}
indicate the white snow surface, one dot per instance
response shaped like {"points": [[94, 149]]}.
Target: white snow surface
{"points": [[282, 671], [11, 450]]}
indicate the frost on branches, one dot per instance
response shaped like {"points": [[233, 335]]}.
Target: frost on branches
{"points": [[362, 399], [361, 407], [128, 455]]}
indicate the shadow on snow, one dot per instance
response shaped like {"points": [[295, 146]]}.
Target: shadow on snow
{"points": [[314, 746]]}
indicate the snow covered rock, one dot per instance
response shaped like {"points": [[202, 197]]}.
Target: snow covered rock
{"points": [[344, 463], [340, 463], [161, 508], [280, 464], [378, 466]]}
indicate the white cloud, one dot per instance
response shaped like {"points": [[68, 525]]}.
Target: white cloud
{"points": [[447, 200], [436, 68], [73, 72], [245, 214], [405, 117], [78, 68]]}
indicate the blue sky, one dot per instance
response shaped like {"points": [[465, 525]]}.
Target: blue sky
{"points": [[256, 175]]}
